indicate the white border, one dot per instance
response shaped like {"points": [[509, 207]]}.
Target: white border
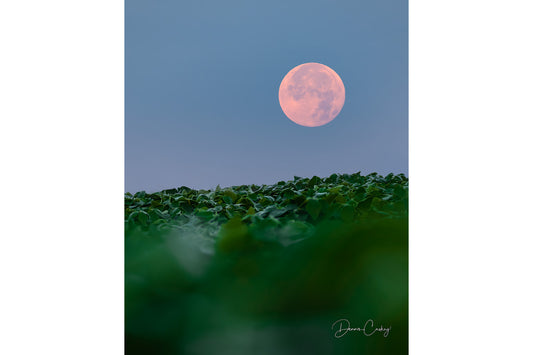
{"points": [[470, 169], [61, 146]]}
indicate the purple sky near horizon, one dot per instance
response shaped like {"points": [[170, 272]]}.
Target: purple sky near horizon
{"points": [[202, 80]]}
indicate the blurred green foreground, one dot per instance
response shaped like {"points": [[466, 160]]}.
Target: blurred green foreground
{"points": [[269, 269]]}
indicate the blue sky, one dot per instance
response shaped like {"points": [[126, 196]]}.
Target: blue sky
{"points": [[202, 80]]}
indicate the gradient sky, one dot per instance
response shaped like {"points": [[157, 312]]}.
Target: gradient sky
{"points": [[202, 80]]}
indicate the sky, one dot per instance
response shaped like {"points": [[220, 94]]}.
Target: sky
{"points": [[202, 80]]}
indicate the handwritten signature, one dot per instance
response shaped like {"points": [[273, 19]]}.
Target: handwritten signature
{"points": [[343, 327]]}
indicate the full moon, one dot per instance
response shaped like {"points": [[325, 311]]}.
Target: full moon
{"points": [[311, 94]]}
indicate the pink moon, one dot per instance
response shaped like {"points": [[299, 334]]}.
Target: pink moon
{"points": [[311, 94]]}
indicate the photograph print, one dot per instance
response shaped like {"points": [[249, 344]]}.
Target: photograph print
{"points": [[266, 177]]}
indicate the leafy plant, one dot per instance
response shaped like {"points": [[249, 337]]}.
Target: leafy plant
{"points": [[259, 261], [338, 197]]}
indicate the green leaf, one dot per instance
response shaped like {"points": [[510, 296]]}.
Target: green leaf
{"points": [[233, 236], [278, 212], [143, 218], [204, 213], [315, 180], [313, 207], [347, 213]]}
